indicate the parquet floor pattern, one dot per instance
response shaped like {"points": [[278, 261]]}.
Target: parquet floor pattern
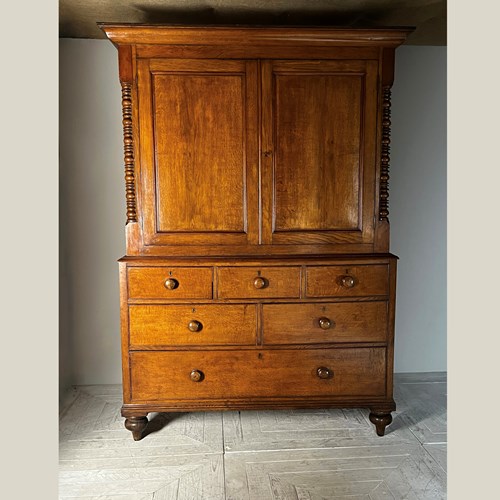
{"points": [[256, 455]]}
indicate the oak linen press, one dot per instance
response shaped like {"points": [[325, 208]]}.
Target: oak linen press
{"points": [[257, 273]]}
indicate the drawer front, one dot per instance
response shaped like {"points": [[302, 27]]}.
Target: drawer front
{"points": [[325, 322], [158, 325], [168, 375], [347, 281], [258, 282], [170, 282]]}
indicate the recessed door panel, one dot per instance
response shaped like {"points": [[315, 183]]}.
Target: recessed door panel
{"points": [[200, 158], [318, 138]]}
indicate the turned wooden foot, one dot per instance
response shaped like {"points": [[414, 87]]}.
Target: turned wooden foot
{"points": [[136, 425], [381, 421]]}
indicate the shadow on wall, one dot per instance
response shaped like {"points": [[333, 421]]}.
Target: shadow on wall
{"points": [[430, 21], [429, 18]]}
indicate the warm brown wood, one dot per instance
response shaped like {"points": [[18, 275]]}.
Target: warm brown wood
{"points": [[192, 282], [258, 282], [381, 421], [136, 425], [324, 373], [126, 63], [171, 283], [254, 52], [317, 130], [204, 324], [257, 272], [318, 259], [191, 176], [122, 33], [129, 151], [195, 325], [391, 324], [124, 331], [346, 281], [264, 250], [270, 403], [325, 322], [187, 209], [322, 128], [199, 178], [386, 77], [162, 376], [196, 376], [387, 58], [384, 161]]}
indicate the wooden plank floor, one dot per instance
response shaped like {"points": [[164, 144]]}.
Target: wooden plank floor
{"points": [[256, 455]]}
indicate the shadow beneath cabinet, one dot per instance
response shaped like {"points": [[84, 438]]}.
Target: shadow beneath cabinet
{"points": [[157, 421], [423, 413]]}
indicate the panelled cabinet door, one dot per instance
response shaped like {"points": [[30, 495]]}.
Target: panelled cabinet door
{"points": [[198, 151], [319, 122]]}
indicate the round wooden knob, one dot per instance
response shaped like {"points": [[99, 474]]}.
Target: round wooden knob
{"points": [[196, 376], [194, 326], [259, 282], [171, 283], [323, 372], [347, 281], [326, 323]]}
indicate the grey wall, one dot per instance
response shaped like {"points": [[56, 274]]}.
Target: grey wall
{"points": [[92, 210], [417, 209]]}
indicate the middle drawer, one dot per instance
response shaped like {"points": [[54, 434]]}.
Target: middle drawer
{"points": [[258, 282], [316, 323], [205, 324]]}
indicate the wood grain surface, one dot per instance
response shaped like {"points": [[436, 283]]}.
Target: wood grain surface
{"points": [[257, 272], [163, 376], [239, 282], [327, 281], [169, 325], [193, 282], [348, 322]]}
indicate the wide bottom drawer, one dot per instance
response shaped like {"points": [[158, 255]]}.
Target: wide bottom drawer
{"points": [[188, 375]]}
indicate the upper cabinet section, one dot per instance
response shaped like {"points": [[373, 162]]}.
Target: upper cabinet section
{"points": [[255, 141]]}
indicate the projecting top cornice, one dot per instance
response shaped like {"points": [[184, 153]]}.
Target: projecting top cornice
{"points": [[151, 34]]}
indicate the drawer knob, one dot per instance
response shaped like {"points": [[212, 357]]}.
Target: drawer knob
{"points": [[260, 282], [171, 283], [323, 372], [326, 323], [194, 326], [347, 281], [196, 376]]}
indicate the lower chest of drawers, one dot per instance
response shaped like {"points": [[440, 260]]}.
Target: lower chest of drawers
{"points": [[221, 335]]}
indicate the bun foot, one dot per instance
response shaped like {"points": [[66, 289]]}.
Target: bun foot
{"points": [[381, 421], [136, 425]]}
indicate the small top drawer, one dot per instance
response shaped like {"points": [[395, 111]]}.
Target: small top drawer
{"points": [[347, 281], [258, 282], [170, 282]]}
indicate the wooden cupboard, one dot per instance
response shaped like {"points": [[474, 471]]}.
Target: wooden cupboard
{"points": [[257, 272]]}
